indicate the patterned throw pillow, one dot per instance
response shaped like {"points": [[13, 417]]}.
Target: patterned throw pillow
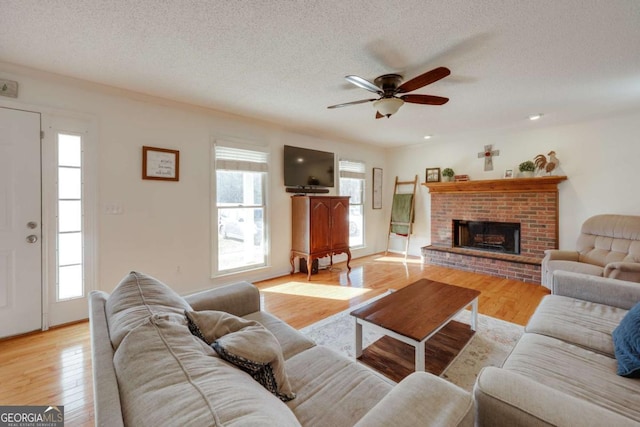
{"points": [[626, 344], [246, 344]]}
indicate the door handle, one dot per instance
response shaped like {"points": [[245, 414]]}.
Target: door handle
{"points": [[32, 238]]}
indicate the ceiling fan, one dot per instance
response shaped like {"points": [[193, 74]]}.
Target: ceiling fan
{"points": [[389, 85]]}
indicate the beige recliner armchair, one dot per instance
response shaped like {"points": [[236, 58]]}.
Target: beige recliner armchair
{"points": [[608, 246]]}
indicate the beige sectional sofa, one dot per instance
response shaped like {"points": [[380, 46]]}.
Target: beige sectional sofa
{"points": [[149, 369], [562, 372]]}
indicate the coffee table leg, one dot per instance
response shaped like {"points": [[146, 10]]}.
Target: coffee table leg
{"points": [[420, 357], [474, 314], [358, 346]]}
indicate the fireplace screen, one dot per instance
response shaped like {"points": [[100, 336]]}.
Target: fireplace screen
{"points": [[487, 236]]}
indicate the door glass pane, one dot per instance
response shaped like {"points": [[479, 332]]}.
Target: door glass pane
{"points": [[70, 282], [69, 150], [69, 248], [69, 215], [69, 183]]}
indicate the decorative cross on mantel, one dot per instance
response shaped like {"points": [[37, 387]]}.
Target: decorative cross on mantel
{"points": [[488, 154]]}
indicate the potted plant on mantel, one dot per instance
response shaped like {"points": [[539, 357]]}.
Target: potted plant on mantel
{"points": [[447, 175], [527, 169]]}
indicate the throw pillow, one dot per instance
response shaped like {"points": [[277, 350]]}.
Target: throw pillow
{"points": [[626, 344], [246, 344]]}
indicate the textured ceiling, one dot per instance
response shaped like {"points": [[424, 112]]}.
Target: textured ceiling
{"points": [[284, 61]]}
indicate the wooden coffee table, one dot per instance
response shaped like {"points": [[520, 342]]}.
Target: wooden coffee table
{"points": [[415, 313]]}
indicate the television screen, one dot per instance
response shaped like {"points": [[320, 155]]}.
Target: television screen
{"points": [[307, 168]]}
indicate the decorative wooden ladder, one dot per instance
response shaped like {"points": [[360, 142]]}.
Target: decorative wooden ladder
{"points": [[402, 212]]}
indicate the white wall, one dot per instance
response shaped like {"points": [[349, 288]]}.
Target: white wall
{"points": [[165, 226], [165, 229], [599, 157]]}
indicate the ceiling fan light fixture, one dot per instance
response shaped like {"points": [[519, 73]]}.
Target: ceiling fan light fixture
{"points": [[388, 106]]}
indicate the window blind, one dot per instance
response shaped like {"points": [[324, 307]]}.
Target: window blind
{"points": [[351, 169], [237, 159]]}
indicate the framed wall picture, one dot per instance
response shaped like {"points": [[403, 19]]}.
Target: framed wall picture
{"points": [[433, 175], [508, 173], [377, 188], [160, 164]]}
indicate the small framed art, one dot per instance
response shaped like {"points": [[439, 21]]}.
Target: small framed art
{"points": [[433, 174], [508, 173], [160, 164], [377, 188]]}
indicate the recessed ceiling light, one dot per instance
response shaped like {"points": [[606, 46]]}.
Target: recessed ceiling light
{"points": [[427, 137], [535, 116]]}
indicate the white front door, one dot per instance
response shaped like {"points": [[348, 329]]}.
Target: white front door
{"points": [[20, 223]]}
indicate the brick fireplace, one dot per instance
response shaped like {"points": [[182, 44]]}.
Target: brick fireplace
{"points": [[532, 203]]}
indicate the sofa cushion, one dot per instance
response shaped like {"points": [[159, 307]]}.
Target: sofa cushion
{"points": [[505, 398], [136, 297], [583, 323], [324, 380], [291, 341], [246, 344], [168, 376], [626, 340], [577, 372], [422, 399]]}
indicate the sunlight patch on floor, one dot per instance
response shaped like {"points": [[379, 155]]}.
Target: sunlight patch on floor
{"points": [[399, 260], [317, 291]]}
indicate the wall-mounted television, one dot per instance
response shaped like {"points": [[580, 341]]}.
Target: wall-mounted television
{"points": [[308, 168]]}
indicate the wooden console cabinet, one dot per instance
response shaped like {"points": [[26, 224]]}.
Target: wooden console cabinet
{"points": [[319, 228]]}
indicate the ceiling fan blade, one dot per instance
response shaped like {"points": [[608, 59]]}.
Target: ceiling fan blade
{"points": [[424, 79], [424, 99], [378, 115], [364, 84], [346, 104]]}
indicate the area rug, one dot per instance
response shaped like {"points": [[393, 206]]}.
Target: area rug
{"points": [[490, 346]]}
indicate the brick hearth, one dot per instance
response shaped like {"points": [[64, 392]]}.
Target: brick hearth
{"points": [[532, 202]]}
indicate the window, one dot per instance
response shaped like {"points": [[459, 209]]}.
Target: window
{"points": [[239, 215], [352, 176], [69, 251]]}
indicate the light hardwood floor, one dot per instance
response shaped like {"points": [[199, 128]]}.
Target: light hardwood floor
{"points": [[54, 367], [301, 303]]}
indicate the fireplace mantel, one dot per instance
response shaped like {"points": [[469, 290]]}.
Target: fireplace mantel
{"points": [[507, 185]]}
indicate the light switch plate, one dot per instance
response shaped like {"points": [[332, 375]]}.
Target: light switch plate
{"points": [[113, 209]]}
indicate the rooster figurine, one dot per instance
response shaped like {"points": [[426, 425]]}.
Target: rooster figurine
{"points": [[542, 163]]}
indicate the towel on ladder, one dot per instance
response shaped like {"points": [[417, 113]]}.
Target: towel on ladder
{"points": [[400, 213]]}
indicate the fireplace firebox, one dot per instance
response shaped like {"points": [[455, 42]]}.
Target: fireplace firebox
{"points": [[491, 236]]}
